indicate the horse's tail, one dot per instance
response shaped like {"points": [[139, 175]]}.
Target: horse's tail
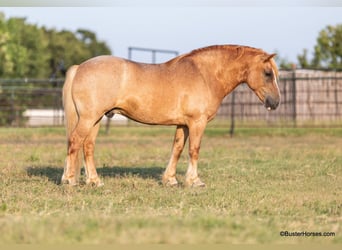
{"points": [[70, 112]]}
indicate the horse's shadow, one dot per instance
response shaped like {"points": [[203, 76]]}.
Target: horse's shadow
{"points": [[54, 174]]}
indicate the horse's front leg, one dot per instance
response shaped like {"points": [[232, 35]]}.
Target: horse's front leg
{"points": [[196, 130], [169, 176]]}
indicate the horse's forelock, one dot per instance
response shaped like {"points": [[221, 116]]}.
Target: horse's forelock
{"points": [[274, 67]]}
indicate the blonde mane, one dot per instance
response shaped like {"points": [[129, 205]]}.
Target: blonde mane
{"points": [[228, 47], [233, 51]]}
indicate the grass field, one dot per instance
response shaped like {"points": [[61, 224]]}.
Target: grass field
{"points": [[259, 183]]}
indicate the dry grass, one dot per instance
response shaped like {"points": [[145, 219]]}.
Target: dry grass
{"points": [[259, 183]]}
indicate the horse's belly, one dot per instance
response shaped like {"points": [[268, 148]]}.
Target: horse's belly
{"points": [[146, 118], [150, 112]]}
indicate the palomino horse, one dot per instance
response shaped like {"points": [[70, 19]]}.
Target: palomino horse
{"points": [[185, 91]]}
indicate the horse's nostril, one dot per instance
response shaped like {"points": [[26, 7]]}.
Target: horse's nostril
{"points": [[271, 103]]}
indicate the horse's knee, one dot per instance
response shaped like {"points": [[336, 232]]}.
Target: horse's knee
{"points": [[194, 152], [177, 150], [73, 146], [88, 148]]}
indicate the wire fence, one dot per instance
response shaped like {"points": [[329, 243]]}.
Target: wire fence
{"points": [[308, 98], [31, 102]]}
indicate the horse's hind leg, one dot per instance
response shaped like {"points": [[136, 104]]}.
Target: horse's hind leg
{"points": [[88, 151], [169, 176], [75, 142]]}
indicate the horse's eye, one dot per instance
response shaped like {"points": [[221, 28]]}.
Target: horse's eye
{"points": [[268, 73]]}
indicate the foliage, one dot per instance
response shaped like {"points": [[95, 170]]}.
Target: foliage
{"points": [[328, 50], [29, 51]]}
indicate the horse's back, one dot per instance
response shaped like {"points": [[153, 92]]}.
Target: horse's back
{"points": [[149, 93]]}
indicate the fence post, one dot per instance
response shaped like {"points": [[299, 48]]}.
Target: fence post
{"points": [[294, 98], [336, 96], [232, 115], [107, 125], [14, 116]]}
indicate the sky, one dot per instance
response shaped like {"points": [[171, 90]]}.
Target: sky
{"points": [[285, 29]]}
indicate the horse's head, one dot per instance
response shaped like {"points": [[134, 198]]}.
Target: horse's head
{"points": [[263, 80]]}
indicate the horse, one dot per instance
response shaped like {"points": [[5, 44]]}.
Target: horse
{"points": [[185, 92]]}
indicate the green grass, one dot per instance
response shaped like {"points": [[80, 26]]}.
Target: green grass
{"points": [[260, 182]]}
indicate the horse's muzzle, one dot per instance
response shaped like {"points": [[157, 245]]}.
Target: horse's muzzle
{"points": [[271, 103]]}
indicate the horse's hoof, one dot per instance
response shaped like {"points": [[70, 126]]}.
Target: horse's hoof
{"points": [[69, 181], [196, 183], [95, 183], [170, 182]]}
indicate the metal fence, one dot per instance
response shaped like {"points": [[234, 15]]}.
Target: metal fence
{"points": [[31, 102], [308, 98]]}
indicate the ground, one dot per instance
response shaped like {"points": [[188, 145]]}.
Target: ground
{"points": [[260, 183]]}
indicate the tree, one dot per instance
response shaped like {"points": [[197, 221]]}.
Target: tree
{"points": [[65, 50], [92, 44], [31, 39], [303, 59], [283, 62], [29, 51], [328, 50], [12, 53]]}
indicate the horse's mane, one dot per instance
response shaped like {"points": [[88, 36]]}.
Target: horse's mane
{"points": [[230, 48], [233, 51]]}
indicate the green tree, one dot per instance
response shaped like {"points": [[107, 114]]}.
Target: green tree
{"points": [[13, 54], [29, 51], [327, 51], [67, 48], [34, 63], [303, 59], [94, 46]]}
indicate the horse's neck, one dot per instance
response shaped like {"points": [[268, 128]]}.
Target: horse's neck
{"points": [[223, 70]]}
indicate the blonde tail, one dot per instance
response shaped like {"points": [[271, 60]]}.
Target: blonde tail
{"points": [[70, 114]]}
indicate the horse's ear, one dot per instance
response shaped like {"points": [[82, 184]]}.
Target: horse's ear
{"points": [[267, 57]]}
